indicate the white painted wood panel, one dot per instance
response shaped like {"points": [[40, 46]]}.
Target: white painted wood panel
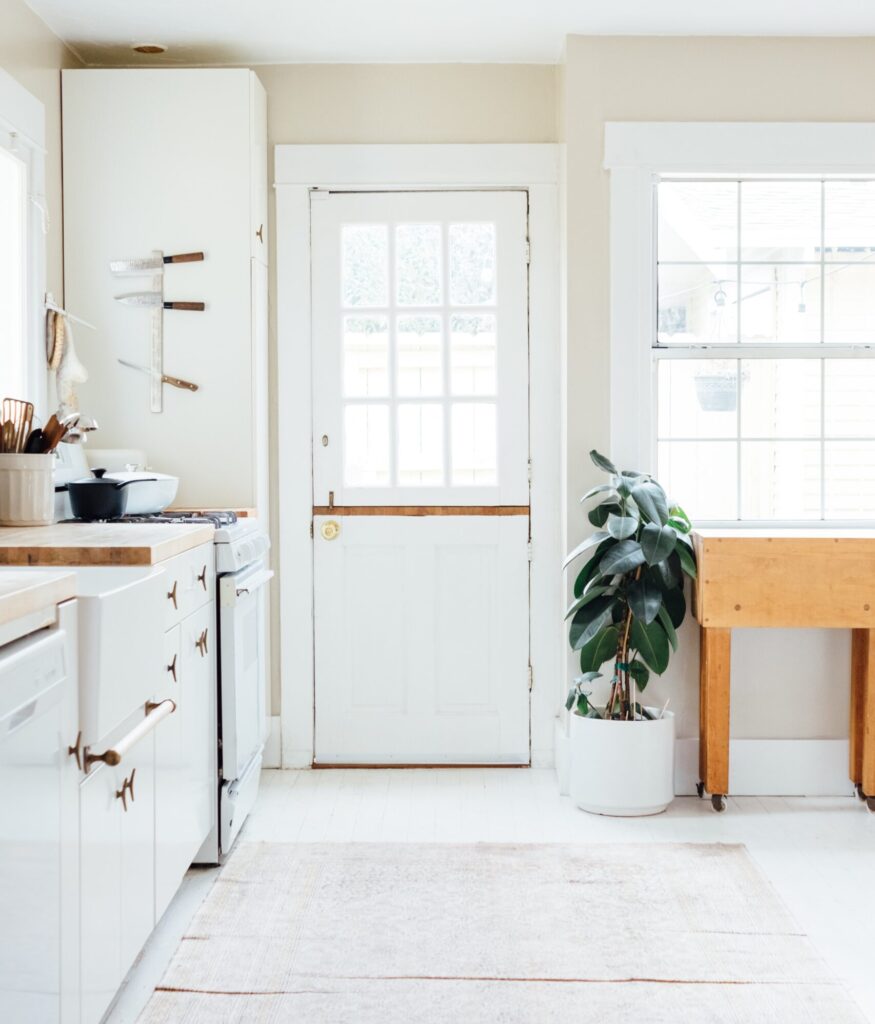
{"points": [[422, 640]]}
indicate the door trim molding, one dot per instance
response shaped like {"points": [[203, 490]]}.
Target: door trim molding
{"points": [[299, 170]]}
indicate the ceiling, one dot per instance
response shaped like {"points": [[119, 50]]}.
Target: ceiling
{"points": [[365, 31]]}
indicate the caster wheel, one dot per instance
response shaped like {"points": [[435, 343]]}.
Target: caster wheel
{"points": [[858, 789], [870, 803], [718, 802], [700, 789]]}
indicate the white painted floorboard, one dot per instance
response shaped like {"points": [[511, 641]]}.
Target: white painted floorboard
{"points": [[818, 852]]}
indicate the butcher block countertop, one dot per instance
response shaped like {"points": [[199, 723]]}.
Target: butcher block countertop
{"points": [[24, 592], [99, 543]]}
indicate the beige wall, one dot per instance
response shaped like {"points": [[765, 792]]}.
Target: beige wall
{"points": [[33, 55], [784, 683]]}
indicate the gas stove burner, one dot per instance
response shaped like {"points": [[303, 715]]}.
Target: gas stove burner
{"points": [[219, 517]]}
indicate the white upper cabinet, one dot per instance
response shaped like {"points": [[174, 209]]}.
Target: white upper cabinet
{"points": [[172, 160]]}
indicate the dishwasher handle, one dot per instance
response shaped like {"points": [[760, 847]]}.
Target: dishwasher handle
{"points": [[155, 713]]}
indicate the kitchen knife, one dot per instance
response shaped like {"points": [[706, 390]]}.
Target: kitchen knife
{"points": [[153, 264], [154, 299], [175, 382]]}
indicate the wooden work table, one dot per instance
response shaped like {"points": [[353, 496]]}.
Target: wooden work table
{"points": [[794, 579], [99, 543]]}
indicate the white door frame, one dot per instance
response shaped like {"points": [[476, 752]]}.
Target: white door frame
{"points": [[298, 171]]}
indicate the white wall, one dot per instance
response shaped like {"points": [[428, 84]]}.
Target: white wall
{"points": [[785, 683]]}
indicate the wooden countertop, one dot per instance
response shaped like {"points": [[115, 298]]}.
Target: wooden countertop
{"points": [[98, 543], [22, 593]]}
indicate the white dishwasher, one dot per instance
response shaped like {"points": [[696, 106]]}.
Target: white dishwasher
{"points": [[37, 690]]}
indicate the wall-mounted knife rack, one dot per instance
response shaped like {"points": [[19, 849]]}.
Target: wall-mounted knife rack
{"points": [[156, 262]]}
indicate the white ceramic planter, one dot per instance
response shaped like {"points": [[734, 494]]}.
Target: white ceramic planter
{"points": [[622, 768]]}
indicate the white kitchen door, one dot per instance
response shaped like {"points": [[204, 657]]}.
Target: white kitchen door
{"points": [[420, 477]]}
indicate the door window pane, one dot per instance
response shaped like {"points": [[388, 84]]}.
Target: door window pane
{"points": [[474, 444], [366, 445], [780, 480], [418, 264], [473, 354], [849, 221], [420, 342], [472, 264], [850, 479], [698, 221], [698, 398], [365, 265], [365, 356], [849, 304], [420, 445], [849, 386], [697, 304]]}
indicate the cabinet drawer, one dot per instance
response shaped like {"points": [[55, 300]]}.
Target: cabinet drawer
{"points": [[190, 583]]}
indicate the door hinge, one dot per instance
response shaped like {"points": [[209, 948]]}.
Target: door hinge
{"points": [[311, 528], [528, 251], [531, 677], [529, 550], [529, 471]]}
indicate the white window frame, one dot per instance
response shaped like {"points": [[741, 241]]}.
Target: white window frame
{"points": [[637, 154], [298, 171], [22, 132]]}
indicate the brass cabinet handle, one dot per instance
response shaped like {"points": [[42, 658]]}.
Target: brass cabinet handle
{"points": [[171, 668], [202, 577], [172, 595], [201, 643], [76, 750], [260, 233], [127, 788]]}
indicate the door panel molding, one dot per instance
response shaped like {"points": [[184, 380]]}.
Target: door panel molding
{"points": [[300, 170]]}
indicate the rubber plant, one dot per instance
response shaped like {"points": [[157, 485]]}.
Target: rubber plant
{"points": [[629, 595]]}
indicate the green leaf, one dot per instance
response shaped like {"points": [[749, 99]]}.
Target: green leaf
{"points": [[590, 595], [590, 570], [677, 515], [571, 698], [593, 491], [623, 556], [657, 542], [621, 527], [668, 626], [591, 541], [602, 462], [669, 571], [675, 604], [583, 705], [589, 620], [644, 599], [651, 500], [599, 515], [640, 673], [587, 677], [600, 649], [687, 559], [684, 538], [651, 644]]}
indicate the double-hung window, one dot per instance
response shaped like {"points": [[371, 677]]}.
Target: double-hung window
{"points": [[764, 346]]}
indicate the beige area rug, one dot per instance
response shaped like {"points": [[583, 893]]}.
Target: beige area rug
{"points": [[370, 933]]}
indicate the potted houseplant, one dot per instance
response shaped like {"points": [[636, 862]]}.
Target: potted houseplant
{"points": [[628, 604]]}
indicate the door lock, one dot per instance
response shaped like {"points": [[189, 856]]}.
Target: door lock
{"points": [[324, 440], [330, 529]]}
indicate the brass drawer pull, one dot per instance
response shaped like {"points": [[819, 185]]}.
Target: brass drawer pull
{"points": [[171, 668], [260, 233], [201, 643], [202, 577], [171, 594], [76, 750], [127, 788]]}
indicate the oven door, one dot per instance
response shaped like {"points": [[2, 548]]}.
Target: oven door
{"points": [[243, 665]]}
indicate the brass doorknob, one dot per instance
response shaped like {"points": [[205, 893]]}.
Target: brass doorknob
{"points": [[330, 529]]}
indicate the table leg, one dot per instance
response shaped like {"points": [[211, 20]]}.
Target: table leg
{"points": [[714, 665], [856, 726]]}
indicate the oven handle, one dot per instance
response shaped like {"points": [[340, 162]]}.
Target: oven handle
{"points": [[233, 590]]}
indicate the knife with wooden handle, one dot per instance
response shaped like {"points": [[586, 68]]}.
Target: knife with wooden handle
{"points": [[176, 382], [154, 299], [153, 264]]}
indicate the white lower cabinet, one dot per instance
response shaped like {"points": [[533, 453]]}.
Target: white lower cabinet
{"points": [[117, 872]]}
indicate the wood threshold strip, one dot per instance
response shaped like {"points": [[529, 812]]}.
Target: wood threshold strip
{"points": [[421, 510]]}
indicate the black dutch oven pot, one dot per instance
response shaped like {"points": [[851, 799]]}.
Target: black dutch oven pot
{"points": [[98, 498]]}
